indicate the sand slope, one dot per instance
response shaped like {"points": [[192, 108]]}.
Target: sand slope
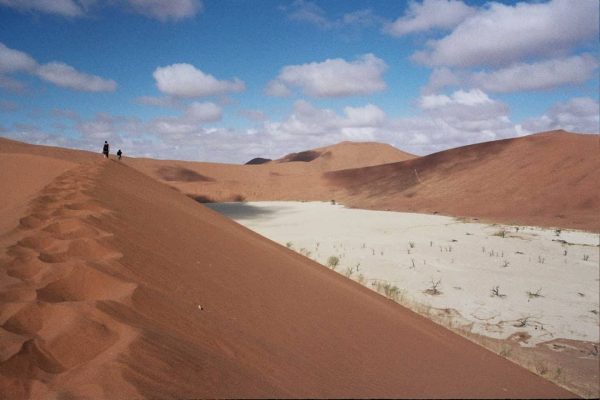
{"points": [[297, 176], [101, 283], [549, 179], [346, 155]]}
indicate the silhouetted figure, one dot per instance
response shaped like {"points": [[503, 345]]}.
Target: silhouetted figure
{"points": [[105, 149], [119, 154]]}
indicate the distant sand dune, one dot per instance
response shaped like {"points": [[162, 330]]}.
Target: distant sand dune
{"points": [[550, 179]]}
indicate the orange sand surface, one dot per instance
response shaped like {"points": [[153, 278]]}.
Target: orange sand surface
{"points": [[114, 285]]}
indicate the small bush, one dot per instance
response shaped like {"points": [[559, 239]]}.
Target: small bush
{"points": [[496, 292], [333, 262], [391, 291], [305, 252], [533, 295], [433, 290]]}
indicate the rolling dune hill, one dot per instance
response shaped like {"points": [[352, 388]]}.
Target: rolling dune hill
{"points": [[297, 176], [346, 155], [114, 285], [549, 179]]}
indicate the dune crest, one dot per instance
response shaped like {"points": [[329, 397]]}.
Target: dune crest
{"points": [[54, 279]]}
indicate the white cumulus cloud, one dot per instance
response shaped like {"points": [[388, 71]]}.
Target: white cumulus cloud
{"points": [[332, 78], [309, 12], [369, 115], [311, 126], [460, 97], [203, 112], [12, 60], [543, 75], [65, 8], [64, 75], [277, 89], [58, 73], [185, 80], [165, 10], [306, 11], [536, 76], [499, 35], [429, 14], [470, 113], [162, 10]]}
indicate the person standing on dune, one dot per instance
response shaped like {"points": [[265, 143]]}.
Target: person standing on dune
{"points": [[105, 149]]}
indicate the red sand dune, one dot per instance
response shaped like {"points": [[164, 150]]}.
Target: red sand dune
{"points": [[116, 286], [548, 179], [346, 155], [283, 179]]}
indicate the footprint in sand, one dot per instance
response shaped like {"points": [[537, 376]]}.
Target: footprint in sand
{"points": [[25, 267], [85, 283], [41, 241], [85, 249], [72, 228], [54, 284], [33, 221], [28, 320], [57, 330]]}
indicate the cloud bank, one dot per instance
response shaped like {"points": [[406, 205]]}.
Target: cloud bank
{"points": [[57, 73], [162, 10], [332, 78], [499, 35], [430, 14], [185, 80]]}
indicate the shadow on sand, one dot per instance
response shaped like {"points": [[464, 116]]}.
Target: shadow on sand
{"points": [[242, 210]]}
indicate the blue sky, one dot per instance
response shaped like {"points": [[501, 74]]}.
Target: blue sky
{"points": [[229, 80]]}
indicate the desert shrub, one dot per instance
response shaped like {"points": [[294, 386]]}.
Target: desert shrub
{"points": [[433, 289], [333, 262], [496, 292], [535, 294]]}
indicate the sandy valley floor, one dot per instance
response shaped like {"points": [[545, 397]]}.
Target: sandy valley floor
{"points": [[499, 281]]}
